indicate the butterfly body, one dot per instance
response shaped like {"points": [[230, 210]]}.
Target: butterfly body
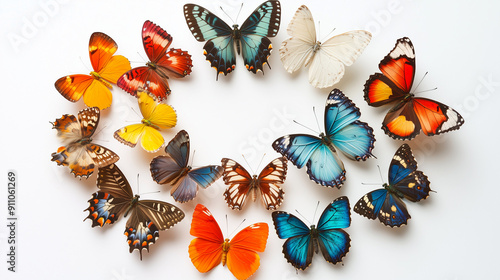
{"points": [[405, 182], [242, 184], [327, 236], [173, 169], [164, 63], [146, 217], [95, 87], [411, 114], [343, 131], [209, 248], [78, 152], [251, 38]]}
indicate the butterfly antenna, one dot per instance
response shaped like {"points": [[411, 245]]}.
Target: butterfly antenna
{"points": [[316, 117], [300, 214], [85, 65], [306, 127], [382, 178], [238, 15], [249, 166], [192, 158], [315, 211], [237, 227], [323, 39], [421, 80], [141, 57]]}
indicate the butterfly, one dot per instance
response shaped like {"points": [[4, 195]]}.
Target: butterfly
{"points": [[328, 235], [241, 183], [326, 60], [411, 114], [147, 217], [163, 64], [95, 88], [405, 181], [173, 169], [344, 132], [209, 248], [156, 116], [79, 153], [219, 49]]}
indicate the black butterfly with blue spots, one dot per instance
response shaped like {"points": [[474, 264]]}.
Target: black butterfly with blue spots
{"points": [[405, 181], [219, 49]]}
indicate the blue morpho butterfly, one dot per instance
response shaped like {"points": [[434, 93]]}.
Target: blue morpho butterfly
{"points": [[327, 236], [343, 132], [219, 49], [404, 181], [173, 169]]}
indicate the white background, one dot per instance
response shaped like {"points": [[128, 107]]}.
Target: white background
{"points": [[451, 235]]}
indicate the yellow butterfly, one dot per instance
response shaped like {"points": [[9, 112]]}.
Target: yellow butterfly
{"points": [[156, 116]]}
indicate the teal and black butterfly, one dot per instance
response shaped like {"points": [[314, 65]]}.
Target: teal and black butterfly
{"points": [[146, 217], [327, 236], [219, 49], [405, 181]]}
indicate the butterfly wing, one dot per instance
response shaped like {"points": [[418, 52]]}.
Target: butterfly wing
{"points": [[435, 117], [354, 138], [205, 250], [256, 47], [115, 195], [187, 187], [219, 48], [371, 203], [242, 259], [298, 50], [270, 178], [240, 183], [404, 176], [167, 168], [298, 248], [334, 242], [147, 219], [323, 165], [381, 204], [329, 60]]}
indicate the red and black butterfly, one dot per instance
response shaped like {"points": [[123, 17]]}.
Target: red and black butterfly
{"points": [[163, 64], [411, 114]]}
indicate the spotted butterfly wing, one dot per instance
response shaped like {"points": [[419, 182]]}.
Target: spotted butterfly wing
{"points": [[164, 64], [95, 88], [405, 181], [209, 248], [411, 114], [344, 132], [326, 60], [328, 236], [173, 169], [241, 183], [146, 217], [252, 38], [79, 153], [156, 116]]}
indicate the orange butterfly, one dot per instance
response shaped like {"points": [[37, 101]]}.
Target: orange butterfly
{"points": [[210, 248], [95, 88]]}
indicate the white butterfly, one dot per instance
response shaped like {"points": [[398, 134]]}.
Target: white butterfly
{"points": [[326, 59]]}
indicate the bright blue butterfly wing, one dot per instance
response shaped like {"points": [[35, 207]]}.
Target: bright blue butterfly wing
{"points": [[354, 138], [298, 248], [404, 176], [297, 148], [262, 23], [336, 215], [323, 166], [205, 26], [371, 203], [332, 240]]}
